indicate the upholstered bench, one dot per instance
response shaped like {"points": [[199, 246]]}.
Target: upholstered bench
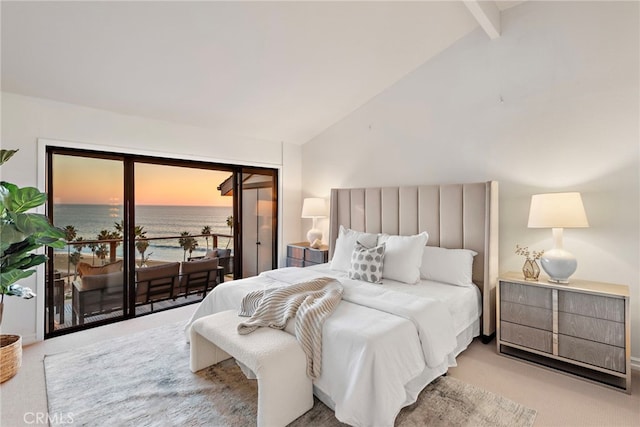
{"points": [[275, 357]]}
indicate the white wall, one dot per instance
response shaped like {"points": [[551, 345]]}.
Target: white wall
{"points": [[26, 119], [552, 105]]}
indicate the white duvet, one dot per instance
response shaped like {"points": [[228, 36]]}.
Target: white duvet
{"points": [[382, 344]]}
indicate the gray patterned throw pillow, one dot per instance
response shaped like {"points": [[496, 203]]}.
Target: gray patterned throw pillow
{"points": [[366, 263]]}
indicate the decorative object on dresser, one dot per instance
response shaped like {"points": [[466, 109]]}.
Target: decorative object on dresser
{"points": [[314, 207], [558, 211], [530, 269], [303, 255], [582, 328]]}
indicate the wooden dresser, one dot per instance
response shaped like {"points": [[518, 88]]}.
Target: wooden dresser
{"points": [[581, 328], [301, 255]]}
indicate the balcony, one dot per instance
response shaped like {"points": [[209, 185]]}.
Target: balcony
{"points": [[77, 300]]}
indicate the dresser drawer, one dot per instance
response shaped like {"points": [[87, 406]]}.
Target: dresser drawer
{"points": [[314, 256], [593, 353], [591, 328], [294, 262], [527, 315], [525, 336], [526, 294], [295, 252], [591, 305], [301, 255]]}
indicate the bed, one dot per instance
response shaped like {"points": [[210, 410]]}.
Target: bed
{"points": [[385, 342]]}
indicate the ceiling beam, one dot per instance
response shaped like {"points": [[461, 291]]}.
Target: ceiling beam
{"points": [[487, 14]]}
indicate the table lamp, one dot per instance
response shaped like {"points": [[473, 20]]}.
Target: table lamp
{"points": [[314, 207], [557, 211]]}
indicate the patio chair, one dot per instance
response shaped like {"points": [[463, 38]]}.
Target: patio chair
{"points": [[156, 283], [198, 276], [96, 294], [225, 259]]}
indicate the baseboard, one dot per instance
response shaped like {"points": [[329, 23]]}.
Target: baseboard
{"points": [[635, 364], [29, 339]]}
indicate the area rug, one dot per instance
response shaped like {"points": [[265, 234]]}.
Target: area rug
{"points": [[144, 380]]}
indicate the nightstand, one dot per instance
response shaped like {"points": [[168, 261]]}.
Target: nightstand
{"points": [[580, 328], [301, 255]]}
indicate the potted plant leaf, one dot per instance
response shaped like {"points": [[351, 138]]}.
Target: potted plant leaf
{"points": [[21, 233]]}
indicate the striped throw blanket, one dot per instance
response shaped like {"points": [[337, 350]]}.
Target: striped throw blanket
{"points": [[309, 302]]}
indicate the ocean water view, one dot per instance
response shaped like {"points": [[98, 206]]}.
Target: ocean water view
{"points": [[157, 221]]}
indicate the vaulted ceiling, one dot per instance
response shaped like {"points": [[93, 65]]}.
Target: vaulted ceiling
{"points": [[278, 71]]}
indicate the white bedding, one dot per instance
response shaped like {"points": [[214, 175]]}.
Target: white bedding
{"points": [[464, 303], [374, 362]]}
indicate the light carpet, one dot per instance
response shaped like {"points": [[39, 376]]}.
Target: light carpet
{"points": [[144, 380]]}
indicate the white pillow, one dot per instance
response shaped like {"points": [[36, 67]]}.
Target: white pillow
{"points": [[345, 243], [403, 255], [452, 266], [367, 263]]}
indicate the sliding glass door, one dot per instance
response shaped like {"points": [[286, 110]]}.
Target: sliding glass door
{"points": [[258, 216], [179, 218], [140, 228], [86, 283]]}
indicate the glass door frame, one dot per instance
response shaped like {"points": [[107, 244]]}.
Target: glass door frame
{"points": [[129, 160], [49, 329], [238, 188]]}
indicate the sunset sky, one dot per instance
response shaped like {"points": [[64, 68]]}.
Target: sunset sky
{"points": [[78, 180]]}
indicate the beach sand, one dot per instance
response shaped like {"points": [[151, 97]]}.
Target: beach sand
{"points": [[62, 266]]}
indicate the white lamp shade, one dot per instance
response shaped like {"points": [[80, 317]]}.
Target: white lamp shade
{"points": [[557, 210], [314, 207]]}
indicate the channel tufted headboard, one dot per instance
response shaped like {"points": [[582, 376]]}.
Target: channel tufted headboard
{"points": [[454, 215]]}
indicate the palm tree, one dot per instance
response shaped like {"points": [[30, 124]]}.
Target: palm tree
{"points": [[101, 252], [75, 259], [187, 243], [193, 244], [93, 247], [138, 230], [183, 242], [230, 225], [70, 233], [142, 245], [139, 235], [104, 235], [116, 236], [206, 231], [102, 249]]}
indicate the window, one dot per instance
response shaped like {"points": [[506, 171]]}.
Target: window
{"points": [[137, 226]]}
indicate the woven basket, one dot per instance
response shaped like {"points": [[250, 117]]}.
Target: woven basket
{"points": [[10, 356]]}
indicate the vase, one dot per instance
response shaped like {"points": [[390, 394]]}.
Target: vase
{"points": [[531, 270]]}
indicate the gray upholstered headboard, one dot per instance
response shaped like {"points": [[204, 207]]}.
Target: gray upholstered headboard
{"points": [[454, 215]]}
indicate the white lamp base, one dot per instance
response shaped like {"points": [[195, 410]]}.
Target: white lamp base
{"points": [[559, 265], [314, 234]]}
